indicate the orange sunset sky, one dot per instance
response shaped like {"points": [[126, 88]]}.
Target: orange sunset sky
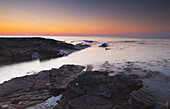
{"points": [[84, 17]]}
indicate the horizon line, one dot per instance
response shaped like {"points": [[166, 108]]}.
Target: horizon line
{"points": [[152, 36], [168, 34]]}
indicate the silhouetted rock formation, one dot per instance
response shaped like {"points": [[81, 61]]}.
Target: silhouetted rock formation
{"points": [[96, 90], [89, 41], [33, 89], [25, 49], [104, 45]]}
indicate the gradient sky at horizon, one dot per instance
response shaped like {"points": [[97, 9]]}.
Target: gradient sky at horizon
{"points": [[84, 17]]}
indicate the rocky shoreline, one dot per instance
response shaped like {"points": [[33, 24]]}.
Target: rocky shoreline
{"points": [[15, 50], [80, 90], [30, 90]]}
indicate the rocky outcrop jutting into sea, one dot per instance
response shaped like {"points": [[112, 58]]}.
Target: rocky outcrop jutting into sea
{"points": [[24, 49]]}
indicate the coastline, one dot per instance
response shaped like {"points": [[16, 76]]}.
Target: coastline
{"points": [[27, 91], [14, 50], [44, 92]]}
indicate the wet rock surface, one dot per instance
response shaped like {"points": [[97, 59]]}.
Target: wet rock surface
{"points": [[30, 90], [97, 90], [25, 49]]}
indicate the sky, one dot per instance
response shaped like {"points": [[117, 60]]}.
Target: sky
{"points": [[84, 17]]}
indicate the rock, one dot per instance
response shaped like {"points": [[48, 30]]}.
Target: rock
{"points": [[143, 99], [104, 45], [1, 60], [59, 81], [107, 48], [30, 90], [81, 46], [89, 41], [25, 49], [97, 90]]}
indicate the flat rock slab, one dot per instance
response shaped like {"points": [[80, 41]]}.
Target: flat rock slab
{"points": [[96, 90], [29, 90], [25, 49]]}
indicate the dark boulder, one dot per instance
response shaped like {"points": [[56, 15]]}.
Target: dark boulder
{"points": [[94, 90], [104, 45]]}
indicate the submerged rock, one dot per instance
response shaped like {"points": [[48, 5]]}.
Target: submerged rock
{"points": [[30, 90], [97, 90], [107, 48], [25, 49]]}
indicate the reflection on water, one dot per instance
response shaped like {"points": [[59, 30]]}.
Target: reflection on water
{"points": [[145, 54]]}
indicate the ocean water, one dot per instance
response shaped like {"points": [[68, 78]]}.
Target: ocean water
{"points": [[149, 58]]}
